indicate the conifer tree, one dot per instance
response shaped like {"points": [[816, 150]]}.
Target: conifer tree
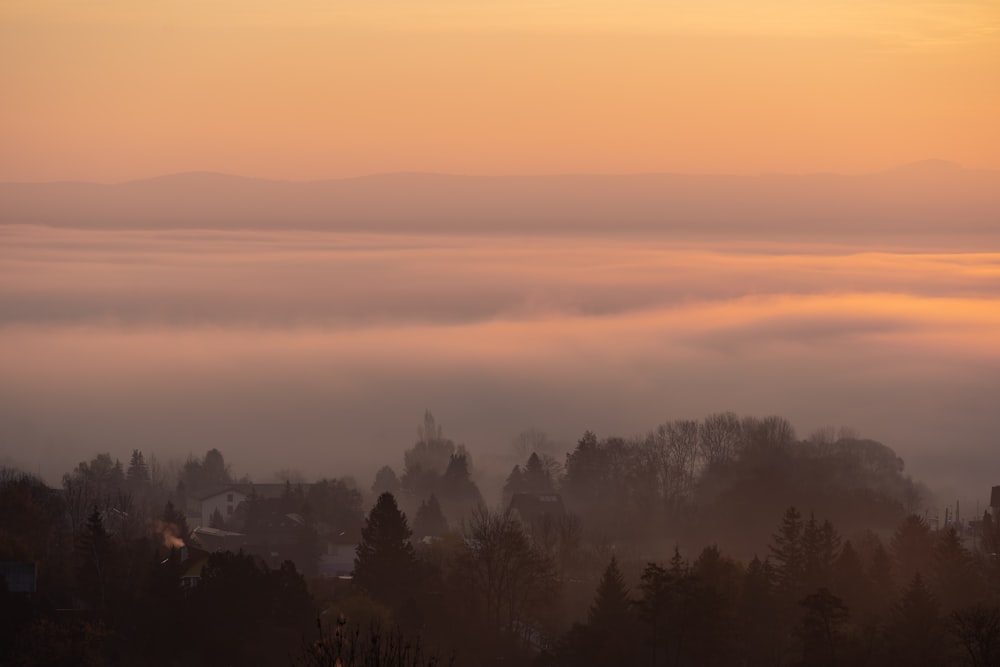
{"points": [[611, 605], [385, 564], [787, 553], [429, 520], [513, 485], [536, 478], [916, 631], [138, 471], [610, 635]]}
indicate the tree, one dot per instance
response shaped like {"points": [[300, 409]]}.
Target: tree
{"points": [[756, 610], [215, 469], [386, 481], [719, 439], [458, 493], [427, 460], [912, 550], [609, 637], [138, 471], [916, 630], [536, 478], [217, 520], [787, 553], [511, 579], [95, 562], [198, 475], [954, 577], [252, 615], [339, 505], [97, 482], [513, 485], [430, 520], [385, 564], [822, 628], [173, 526], [978, 631]]}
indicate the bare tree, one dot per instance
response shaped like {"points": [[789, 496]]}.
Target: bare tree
{"points": [[512, 578], [719, 439]]}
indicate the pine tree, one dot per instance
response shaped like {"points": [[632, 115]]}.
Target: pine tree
{"points": [[610, 635], [536, 478], [429, 520], [787, 553], [138, 471], [94, 559], [513, 485], [756, 612], [611, 604], [217, 520], [458, 493], [916, 631], [385, 564], [954, 577], [849, 580], [912, 550]]}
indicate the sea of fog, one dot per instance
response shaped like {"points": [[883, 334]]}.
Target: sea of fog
{"points": [[319, 351]]}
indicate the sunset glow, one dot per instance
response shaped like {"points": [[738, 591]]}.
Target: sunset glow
{"points": [[305, 89]]}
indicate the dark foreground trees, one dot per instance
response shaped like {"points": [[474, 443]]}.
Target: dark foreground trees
{"points": [[386, 564]]}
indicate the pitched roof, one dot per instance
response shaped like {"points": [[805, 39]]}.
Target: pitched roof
{"points": [[261, 490]]}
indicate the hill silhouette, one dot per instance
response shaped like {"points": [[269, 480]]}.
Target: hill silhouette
{"points": [[923, 196]]}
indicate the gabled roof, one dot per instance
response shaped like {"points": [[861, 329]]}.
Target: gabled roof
{"points": [[531, 507], [261, 490]]}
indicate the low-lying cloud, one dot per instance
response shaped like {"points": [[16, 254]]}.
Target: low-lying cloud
{"points": [[320, 351]]}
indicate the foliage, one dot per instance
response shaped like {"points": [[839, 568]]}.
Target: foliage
{"points": [[386, 564], [430, 521]]}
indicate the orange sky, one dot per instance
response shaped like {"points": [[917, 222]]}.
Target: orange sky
{"points": [[112, 90]]}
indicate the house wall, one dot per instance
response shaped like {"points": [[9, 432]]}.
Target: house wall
{"points": [[226, 502]]}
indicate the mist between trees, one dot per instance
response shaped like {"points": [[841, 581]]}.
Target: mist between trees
{"points": [[721, 541]]}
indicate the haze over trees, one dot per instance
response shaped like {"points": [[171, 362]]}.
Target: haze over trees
{"points": [[722, 541]]}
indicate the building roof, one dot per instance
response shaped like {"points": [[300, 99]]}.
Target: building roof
{"points": [[532, 507], [213, 539], [260, 490]]}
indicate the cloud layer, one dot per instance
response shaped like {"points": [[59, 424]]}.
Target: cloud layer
{"points": [[321, 350]]}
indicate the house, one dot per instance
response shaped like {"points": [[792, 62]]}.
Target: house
{"points": [[227, 498], [214, 539], [337, 560], [193, 562], [541, 514], [533, 508]]}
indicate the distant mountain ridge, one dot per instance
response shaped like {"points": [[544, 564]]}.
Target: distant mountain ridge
{"points": [[926, 195]]}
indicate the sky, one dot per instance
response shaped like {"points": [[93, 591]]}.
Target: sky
{"points": [[306, 89], [319, 347]]}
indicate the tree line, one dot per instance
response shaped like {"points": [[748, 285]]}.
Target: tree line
{"points": [[722, 541]]}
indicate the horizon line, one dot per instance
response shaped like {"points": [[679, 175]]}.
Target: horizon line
{"points": [[929, 165]]}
